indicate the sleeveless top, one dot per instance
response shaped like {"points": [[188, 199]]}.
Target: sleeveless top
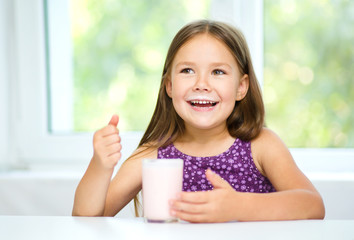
{"points": [[235, 165]]}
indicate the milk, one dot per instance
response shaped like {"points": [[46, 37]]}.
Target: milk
{"points": [[162, 181]]}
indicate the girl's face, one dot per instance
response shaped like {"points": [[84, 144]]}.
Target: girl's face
{"points": [[205, 82]]}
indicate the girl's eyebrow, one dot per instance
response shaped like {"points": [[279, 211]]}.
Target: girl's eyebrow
{"points": [[221, 64]]}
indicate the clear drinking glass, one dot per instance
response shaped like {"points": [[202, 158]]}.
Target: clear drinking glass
{"points": [[162, 181]]}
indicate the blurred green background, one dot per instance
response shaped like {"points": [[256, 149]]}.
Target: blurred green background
{"points": [[119, 52], [308, 71], [120, 46]]}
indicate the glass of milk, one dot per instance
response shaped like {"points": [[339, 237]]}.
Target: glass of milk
{"points": [[162, 181]]}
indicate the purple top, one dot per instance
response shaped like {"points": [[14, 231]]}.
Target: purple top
{"points": [[235, 165]]}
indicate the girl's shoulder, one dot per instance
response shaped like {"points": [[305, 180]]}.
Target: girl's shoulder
{"points": [[134, 161], [264, 136], [144, 151], [267, 147]]}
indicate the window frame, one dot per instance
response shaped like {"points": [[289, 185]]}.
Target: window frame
{"points": [[26, 137], [5, 25]]}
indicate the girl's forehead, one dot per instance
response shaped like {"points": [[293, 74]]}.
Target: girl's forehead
{"points": [[202, 38], [203, 44]]}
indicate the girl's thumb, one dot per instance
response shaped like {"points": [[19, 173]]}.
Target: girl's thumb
{"points": [[216, 180], [114, 120]]}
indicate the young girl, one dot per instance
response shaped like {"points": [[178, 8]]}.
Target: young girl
{"points": [[209, 113]]}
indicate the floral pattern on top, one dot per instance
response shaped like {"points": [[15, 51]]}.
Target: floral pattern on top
{"points": [[235, 165]]}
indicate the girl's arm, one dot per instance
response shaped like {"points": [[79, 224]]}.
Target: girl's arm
{"points": [[91, 192], [96, 194], [296, 197], [128, 181], [102, 197]]}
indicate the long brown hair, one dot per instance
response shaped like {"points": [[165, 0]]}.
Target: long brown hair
{"points": [[247, 118]]}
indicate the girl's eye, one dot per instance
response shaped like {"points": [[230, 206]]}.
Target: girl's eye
{"points": [[218, 72], [187, 70]]}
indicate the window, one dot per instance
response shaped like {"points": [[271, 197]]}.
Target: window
{"points": [[113, 54], [39, 141], [308, 73], [43, 129], [107, 57]]}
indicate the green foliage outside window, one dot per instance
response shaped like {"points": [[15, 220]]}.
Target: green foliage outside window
{"points": [[119, 50], [120, 46], [309, 69]]}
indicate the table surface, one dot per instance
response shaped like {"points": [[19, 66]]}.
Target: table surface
{"points": [[66, 228]]}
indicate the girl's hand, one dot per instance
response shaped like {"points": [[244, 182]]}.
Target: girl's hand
{"points": [[106, 145], [209, 206]]}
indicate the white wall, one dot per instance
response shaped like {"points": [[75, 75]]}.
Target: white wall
{"points": [[42, 193], [338, 196]]}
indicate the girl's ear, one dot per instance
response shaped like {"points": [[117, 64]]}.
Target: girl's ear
{"points": [[242, 88], [169, 87]]}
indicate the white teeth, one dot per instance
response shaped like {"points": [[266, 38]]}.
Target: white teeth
{"points": [[202, 102]]}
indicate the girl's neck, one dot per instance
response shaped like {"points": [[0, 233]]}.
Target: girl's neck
{"points": [[204, 135], [203, 143]]}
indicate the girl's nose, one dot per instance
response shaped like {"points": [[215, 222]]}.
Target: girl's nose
{"points": [[202, 83]]}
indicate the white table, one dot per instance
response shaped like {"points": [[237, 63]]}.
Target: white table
{"points": [[66, 228]]}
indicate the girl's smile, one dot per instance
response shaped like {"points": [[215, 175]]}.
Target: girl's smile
{"points": [[202, 103], [205, 82]]}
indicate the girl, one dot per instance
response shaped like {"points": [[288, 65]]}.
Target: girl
{"points": [[210, 113]]}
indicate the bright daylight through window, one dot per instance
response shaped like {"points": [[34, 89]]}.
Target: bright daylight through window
{"points": [[308, 72], [117, 52], [117, 48]]}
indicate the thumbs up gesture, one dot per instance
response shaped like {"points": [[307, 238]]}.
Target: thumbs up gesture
{"points": [[106, 145]]}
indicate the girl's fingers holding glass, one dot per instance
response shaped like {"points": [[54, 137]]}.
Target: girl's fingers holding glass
{"points": [[194, 197], [179, 206]]}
